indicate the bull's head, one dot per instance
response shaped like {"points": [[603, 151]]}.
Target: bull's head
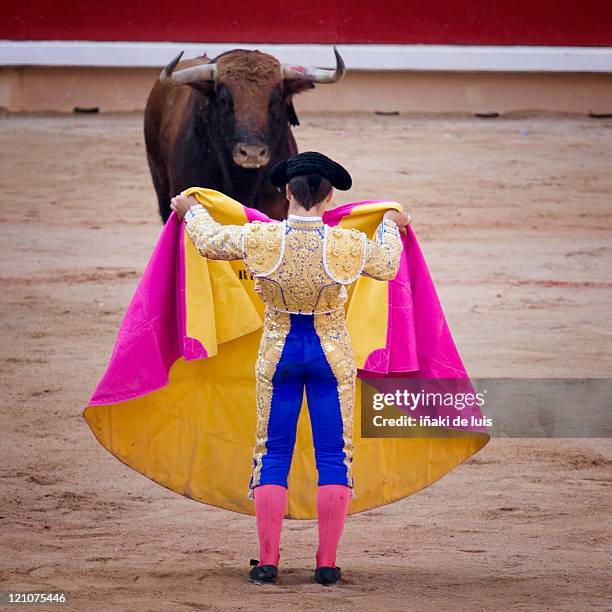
{"points": [[248, 95]]}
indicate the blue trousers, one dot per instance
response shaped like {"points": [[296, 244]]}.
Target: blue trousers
{"points": [[292, 359]]}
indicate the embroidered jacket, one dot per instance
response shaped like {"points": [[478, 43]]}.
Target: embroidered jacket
{"points": [[300, 265]]}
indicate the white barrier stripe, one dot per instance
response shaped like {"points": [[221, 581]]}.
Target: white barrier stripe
{"points": [[376, 57]]}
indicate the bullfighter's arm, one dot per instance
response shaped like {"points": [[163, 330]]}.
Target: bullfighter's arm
{"points": [[214, 240], [382, 257]]}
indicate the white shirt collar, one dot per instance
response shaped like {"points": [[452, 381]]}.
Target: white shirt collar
{"points": [[304, 218]]}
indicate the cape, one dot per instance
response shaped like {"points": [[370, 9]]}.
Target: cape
{"points": [[177, 400]]}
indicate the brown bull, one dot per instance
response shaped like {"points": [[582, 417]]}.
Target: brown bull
{"points": [[223, 123]]}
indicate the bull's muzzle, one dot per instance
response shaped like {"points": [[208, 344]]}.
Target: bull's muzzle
{"points": [[251, 155]]}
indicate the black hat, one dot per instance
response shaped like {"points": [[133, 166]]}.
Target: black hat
{"points": [[307, 163]]}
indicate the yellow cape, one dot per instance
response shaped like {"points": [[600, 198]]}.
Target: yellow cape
{"points": [[195, 436]]}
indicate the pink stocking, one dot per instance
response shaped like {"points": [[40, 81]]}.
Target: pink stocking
{"points": [[332, 505], [270, 508]]}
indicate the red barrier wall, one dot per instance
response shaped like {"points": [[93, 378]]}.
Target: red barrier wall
{"points": [[478, 22]]}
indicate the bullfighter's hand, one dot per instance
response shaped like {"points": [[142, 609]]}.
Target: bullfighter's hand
{"points": [[181, 204], [401, 219]]}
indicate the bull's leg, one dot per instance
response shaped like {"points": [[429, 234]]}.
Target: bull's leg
{"points": [[162, 187], [163, 203]]}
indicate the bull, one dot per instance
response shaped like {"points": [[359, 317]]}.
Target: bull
{"points": [[223, 123]]}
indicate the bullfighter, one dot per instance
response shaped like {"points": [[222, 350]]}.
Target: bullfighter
{"points": [[302, 269]]}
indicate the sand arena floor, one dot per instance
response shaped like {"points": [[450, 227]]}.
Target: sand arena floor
{"points": [[515, 220]]}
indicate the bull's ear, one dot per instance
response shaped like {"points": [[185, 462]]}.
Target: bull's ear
{"points": [[295, 86], [204, 87]]}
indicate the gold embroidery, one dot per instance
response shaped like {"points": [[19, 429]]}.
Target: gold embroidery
{"points": [[215, 240], [298, 270], [301, 282], [344, 253], [383, 254], [336, 344], [301, 274], [274, 333], [263, 246]]}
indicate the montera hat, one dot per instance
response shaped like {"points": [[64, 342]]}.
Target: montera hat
{"points": [[307, 163]]}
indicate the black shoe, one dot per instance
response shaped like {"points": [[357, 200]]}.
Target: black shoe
{"points": [[327, 575], [263, 574]]}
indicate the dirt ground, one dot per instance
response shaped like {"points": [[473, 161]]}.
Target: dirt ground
{"points": [[515, 220]]}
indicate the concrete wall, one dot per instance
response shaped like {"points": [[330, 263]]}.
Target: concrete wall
{"points": [[32, 88]]}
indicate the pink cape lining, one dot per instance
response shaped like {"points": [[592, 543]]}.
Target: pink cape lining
{"points": [[152, 334]]}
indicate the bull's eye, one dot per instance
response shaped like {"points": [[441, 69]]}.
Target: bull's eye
{"points": [[224, 98], [275, 97]]}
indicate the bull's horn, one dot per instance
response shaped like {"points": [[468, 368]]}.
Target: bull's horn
{"points": [[201, 72], [316, 75]]}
